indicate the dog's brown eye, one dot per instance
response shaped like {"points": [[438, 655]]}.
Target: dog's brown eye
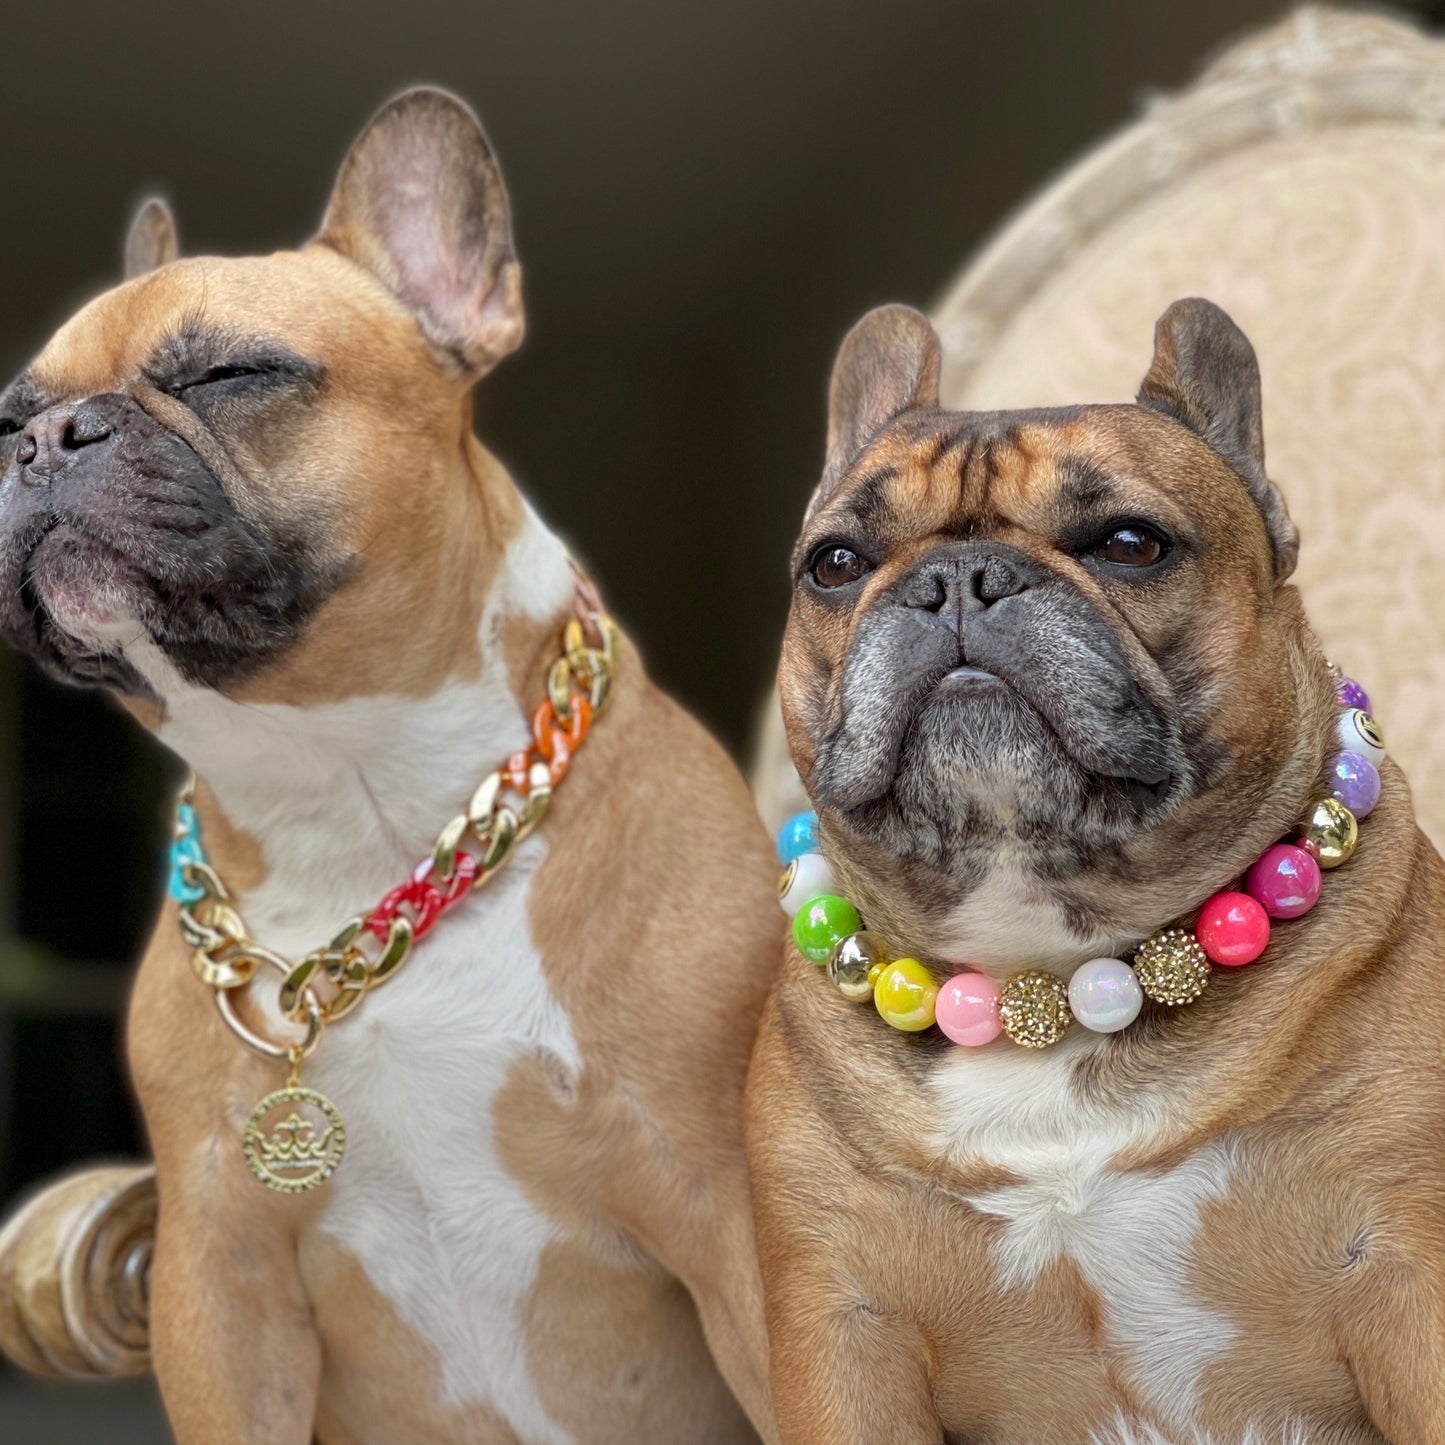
{"points": [[1131, 547], [838, 566]]}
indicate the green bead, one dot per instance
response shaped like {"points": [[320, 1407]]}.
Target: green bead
{"points": [[822, 923]]}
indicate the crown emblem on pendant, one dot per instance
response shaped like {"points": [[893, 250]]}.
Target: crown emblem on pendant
{"points": [[294, 1139], [294, 1143]]}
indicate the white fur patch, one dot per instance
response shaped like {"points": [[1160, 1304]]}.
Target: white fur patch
{"points": [[1130, 1234], [345, 799], [1125, 1433], [423, 1201], [1011, 921]]}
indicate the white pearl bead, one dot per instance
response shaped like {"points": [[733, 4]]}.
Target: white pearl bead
{"points": [[807, 876], [1104, 995], [1358, 732]]}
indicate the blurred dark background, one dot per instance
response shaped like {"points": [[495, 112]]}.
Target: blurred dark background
{"points": [[705, 197]]}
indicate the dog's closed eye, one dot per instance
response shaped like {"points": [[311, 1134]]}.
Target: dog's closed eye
{"points": [[217, 375], [199, 362]]}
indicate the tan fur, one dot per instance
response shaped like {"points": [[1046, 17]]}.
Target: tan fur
{"points": [[1318, 1071], [380, 1378]]}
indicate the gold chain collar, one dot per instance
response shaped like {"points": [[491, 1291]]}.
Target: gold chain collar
{"points": [[297, 1152]]}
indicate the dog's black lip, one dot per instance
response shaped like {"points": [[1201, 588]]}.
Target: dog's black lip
{"points": [[30, 597], [960, 675], [968, 672], [44, 628], [56, 650]]}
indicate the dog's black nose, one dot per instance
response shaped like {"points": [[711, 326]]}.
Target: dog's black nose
{"points": [[967, 583], [51, 439]]}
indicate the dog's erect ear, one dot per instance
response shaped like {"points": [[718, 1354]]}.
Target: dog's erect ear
{"points": [[421, 205], [888, 364], [151, 240], [1205, 375]]}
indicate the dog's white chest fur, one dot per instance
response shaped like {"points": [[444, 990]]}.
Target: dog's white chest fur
{"points": [[422, 1199], [1131, 1234]]}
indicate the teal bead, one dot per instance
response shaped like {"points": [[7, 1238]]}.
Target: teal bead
{"points": [[186, 850], [186, 821], [797, 836], [822, 923]]}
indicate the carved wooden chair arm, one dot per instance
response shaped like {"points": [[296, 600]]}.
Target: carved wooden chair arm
{"points": [[75, 1275]]}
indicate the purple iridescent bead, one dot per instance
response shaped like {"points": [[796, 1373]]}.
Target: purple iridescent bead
{"points": [[1351, 694], [1355, 782]]}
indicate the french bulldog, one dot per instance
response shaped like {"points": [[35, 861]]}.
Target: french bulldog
{"points": [[1049, 688], [246, 497]]}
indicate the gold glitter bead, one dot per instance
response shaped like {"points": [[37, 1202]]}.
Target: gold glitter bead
{"points": [[1034, 1009], [1171, 967], [854, 964], [1329, 832]]}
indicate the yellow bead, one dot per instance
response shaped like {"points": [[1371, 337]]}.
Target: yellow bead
{"points": [[1034, 1008], [1330, 833], [1172, 967], [904, 995]]}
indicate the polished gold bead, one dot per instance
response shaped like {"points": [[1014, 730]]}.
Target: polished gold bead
{"points": [[853, 962], [1034, 1009], [1329, 832], [1171, 967]]}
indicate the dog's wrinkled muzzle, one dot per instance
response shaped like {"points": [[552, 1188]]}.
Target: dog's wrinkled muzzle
{"points": [[981, 611]]}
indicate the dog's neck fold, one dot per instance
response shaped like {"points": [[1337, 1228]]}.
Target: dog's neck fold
{"points": [[312, 813]]}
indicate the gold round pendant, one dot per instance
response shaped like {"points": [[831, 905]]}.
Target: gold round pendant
{"points": [[294, 1140]]}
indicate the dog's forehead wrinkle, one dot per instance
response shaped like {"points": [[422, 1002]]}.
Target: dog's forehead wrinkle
{"points": [[866, 500], [971, 475], [1084, 482]]}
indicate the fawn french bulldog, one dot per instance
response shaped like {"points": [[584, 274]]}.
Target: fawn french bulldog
{"points": [[245, 495], [1050, 692]]}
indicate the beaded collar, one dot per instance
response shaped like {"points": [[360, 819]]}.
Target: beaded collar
{"points": [[1035, 1008], [295, 1138]]}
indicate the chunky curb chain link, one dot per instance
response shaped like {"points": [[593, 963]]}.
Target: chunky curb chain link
{"points": [[371, 948]]}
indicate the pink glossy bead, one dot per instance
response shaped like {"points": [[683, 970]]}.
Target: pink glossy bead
{"points": [[1285, 882], [967, 1009], [1232, 929]]}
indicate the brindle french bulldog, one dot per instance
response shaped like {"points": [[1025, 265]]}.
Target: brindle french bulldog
{"points": [[1049, 688]]}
